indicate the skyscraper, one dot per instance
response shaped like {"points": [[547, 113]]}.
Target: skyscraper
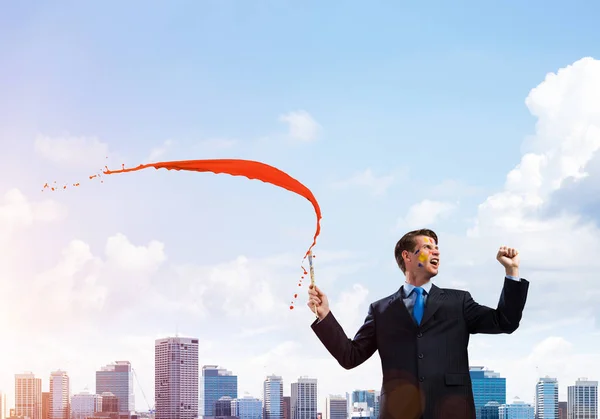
{"points": [[273, 397], [546, 398], [59, 395], [516, 410], [304, 398], [215, 383], [336, 407], [176, 378], [488, 386], [117, 379], [28, 395], [583, 400]]}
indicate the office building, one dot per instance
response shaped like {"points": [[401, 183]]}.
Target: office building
{"points": [[273, 397], [488, 386], [176, 378], [117, 379], [516, 410], [562, 410], [546, 398], [215, 383], [490, 410], [287, 407], [304, 398], [247, 407], [336, 407], [2, 405], [28, 395], [84, 405], [582, 402], [45, 405], [59, 395]]}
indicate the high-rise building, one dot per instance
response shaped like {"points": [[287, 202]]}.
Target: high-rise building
{"points": [[117, 379], [516, 410], [273, 397], [215, 383], [28, 395], [583, 400], [304, 398], [287, 407], [247, 407], [2, 405], [45, 405], [176, 378], [488, 386], [546, 398], [336, 407], [84, 405], [59, 395]]}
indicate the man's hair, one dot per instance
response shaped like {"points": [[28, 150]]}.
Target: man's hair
{"points": [[408, 242]]}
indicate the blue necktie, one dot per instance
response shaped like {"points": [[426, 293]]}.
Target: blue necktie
{"points": [[419, 307]]}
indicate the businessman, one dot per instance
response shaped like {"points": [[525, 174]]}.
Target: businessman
{"points": [[422, 333]]}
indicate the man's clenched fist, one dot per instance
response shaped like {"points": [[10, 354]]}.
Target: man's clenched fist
{"points": [[509, 258]]}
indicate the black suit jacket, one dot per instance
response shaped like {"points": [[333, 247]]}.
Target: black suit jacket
{"points": [[425, 368]]}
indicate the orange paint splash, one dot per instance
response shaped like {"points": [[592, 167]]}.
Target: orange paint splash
{"points": [[238, 167]]}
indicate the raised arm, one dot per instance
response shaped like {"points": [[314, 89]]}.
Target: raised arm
{"points": [[507, 316]]}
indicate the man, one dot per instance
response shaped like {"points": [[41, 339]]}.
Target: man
{"points": [[422, 333]]}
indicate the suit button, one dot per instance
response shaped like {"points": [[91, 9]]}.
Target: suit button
{"points": [[420, 335], [420, 356], [421, 379]]}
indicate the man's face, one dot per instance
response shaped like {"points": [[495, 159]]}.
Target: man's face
{"points": [[425, 258]]}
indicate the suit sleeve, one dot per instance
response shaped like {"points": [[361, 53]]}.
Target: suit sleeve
{"points": [[505, 318], [349, 353]]}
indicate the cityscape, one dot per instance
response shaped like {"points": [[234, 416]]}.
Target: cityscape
{"points": [[184, 390]]}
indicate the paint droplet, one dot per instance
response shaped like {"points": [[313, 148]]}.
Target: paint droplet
{"points": [[295, 295], [291, 307]]}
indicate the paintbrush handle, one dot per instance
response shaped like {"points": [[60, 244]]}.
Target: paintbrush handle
{"points": [[312, 275]]}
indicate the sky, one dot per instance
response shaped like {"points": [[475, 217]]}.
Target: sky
{"points": [[479, 121]]}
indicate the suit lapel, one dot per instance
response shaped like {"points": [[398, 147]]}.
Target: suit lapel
{"points": [[434, 301], [399, 309]]}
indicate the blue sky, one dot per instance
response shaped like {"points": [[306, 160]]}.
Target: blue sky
{"points": [[403, 103]]}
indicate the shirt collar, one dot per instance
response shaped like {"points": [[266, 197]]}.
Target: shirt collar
{"points": [[409, 287]]}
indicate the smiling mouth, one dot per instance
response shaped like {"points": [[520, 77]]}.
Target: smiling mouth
{"points": [[435, 262]]}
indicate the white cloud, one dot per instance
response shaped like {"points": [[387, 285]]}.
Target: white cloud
{"points": [[378, 185], [426, 213], [78, 152], [567, 137], [302, 125]]}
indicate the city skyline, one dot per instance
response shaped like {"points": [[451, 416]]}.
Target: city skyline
{"points": [[489, 390]]}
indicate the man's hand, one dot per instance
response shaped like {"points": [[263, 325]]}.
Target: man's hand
{"points": [[317, 299], [509, 258]]}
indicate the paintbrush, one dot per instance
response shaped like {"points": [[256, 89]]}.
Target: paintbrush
{"points": [[312, 274]]}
